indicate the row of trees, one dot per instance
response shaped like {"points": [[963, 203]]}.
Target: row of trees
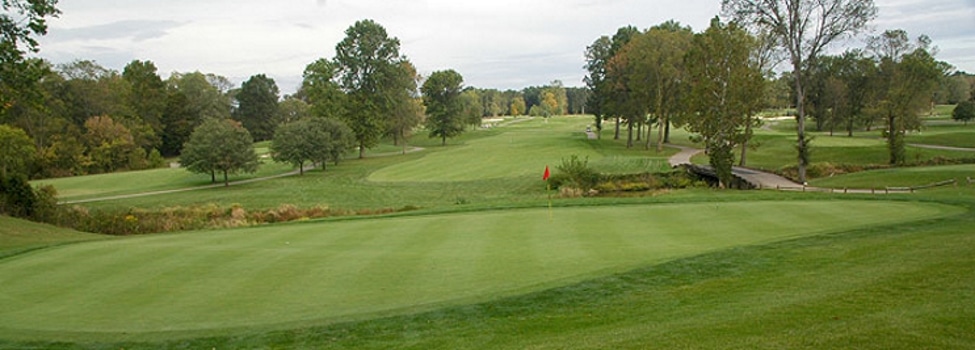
{"points": [[712, 82], [82, 118], [715, 82]]}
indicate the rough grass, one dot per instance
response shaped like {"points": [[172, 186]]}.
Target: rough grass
{"points": [[18, 236], [900, 177], [489, 167], [104, 185], [178, 285]]}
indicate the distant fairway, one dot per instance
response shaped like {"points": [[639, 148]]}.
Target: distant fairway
{"points": [[521, 150], [203, 283]]}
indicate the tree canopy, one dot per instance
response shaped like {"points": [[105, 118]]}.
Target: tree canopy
{"points": [[804, 29], [219, 146], [257, 106], [365, 65], [726, 86], [441, 95]]}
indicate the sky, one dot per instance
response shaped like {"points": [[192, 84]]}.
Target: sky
{"points": [[503, 44]]}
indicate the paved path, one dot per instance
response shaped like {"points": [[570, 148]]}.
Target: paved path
{"points": [[765, 180]]}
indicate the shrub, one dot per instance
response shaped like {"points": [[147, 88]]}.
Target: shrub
{"points": [[577, 173], [17, 198]]}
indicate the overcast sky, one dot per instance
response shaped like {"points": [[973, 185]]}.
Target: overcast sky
{"points": [[505, 44]]}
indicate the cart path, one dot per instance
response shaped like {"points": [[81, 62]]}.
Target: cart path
{"points": [[766, 180]]}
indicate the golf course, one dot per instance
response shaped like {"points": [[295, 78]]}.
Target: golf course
{"points": [[489, 258]]}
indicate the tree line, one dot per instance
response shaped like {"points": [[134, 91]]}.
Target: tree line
{"points": [[715, 82]]}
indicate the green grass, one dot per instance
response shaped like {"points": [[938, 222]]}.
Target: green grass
{"points": [[438, 177], [523, 150], [260, 278], [18, 236], [690, 268], [105, 185], [900, 177], [952, 134]]}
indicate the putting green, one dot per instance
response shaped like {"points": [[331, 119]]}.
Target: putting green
{"points": [[267, 277]]}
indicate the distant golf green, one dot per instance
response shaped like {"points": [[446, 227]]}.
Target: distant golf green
{"points": [[268, 277]]}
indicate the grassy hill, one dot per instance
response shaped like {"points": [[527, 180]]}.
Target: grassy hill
{"points": [[18, 236]]}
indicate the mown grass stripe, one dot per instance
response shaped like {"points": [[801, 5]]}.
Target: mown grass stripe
{"points": [[243, 279]]}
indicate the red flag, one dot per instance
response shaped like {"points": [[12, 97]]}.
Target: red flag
{"points": [[546, 175]]}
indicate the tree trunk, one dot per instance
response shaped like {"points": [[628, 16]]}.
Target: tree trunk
{"points": [[801, 145], [213, 176], [362, 150], [226, 181], [667, 131], [301, 168], [629, 136], [744, 143], [443, 141], [617, 136]]}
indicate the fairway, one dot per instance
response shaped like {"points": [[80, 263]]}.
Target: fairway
{"points": [[523, 149], [214, 282]]}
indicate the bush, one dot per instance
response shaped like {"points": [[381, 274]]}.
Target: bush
{"points": [[17, 198], [576, 173]]}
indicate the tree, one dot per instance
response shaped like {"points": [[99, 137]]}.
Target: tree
{"points": [[597, 55], [290, 110], [804, 28], [323, 94], [20, 23], [908, 76], [365, 63], [110, 144], [92, 90], [964, 111], [407, 110], [294, 143], [518, 106], [441, 95], [219, 145], [192, 98], [257, 106], [724, 91], [578, 98], [18, 152], [147, 97], [339, 140], [657, 59]]}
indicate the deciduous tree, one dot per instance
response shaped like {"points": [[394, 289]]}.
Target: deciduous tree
{"points": [[21, 22], [804, 28], [365, 63], [441, 96], [257, 106], [964, 111], [17, 153], [725, 85], [219, 145], [147, 95], [907, 78]]}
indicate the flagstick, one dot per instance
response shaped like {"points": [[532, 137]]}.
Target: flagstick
{"points": [[548, 187]]}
